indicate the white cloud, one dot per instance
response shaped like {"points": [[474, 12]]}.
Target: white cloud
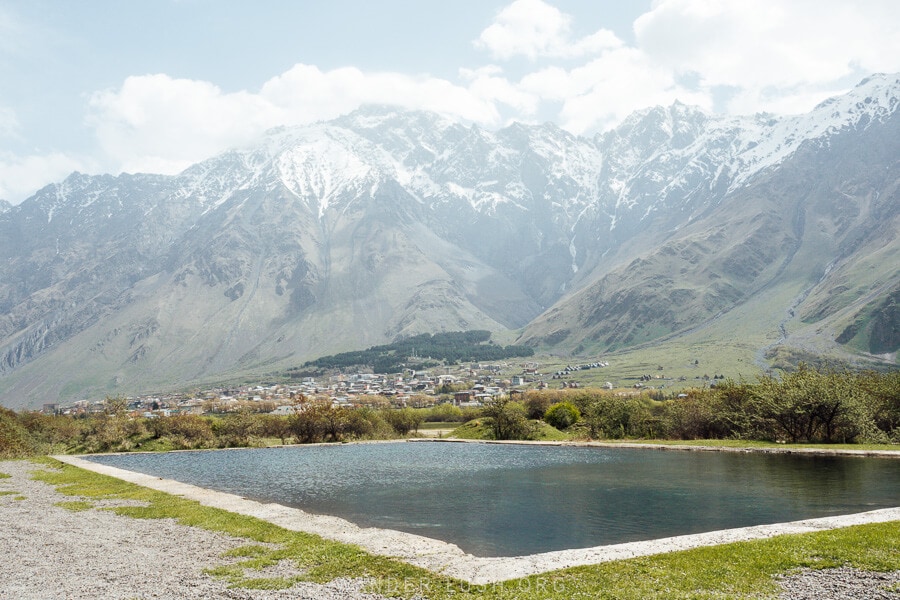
{"points": [[783, 54], [306, 94], [159, 124], [601, 93], [155, 123], [489, 84], [22, 176], [765, 55], [728, 55], [533, 28]]}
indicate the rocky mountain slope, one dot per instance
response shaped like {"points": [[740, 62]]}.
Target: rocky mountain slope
{"points": [[384, 224]]}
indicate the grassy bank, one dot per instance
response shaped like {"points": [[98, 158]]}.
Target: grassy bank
{"points": [[739, 570], [480, 429]]}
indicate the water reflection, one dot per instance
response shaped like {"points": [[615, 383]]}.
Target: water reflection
{"points": [[508, 500]]}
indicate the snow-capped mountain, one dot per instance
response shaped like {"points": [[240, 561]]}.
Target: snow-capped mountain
{"points": [[387, 223]]}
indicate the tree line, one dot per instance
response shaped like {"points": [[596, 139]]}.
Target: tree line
{"points": [[808, 405], [431, 349], [114, 429]]}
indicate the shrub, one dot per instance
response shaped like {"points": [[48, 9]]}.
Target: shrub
{"points": [[691, 418], [562, 415], [238, 429], [56, 431], [15, 440], [444, 413], [184, 431]]}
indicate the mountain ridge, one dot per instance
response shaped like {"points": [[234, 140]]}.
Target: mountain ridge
{"points": [[386, 223]]}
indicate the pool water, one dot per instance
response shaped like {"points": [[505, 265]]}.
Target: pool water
{"points": [[511, 500]]}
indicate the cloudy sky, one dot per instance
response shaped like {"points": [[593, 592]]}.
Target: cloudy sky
{"points": [[154, 86]]}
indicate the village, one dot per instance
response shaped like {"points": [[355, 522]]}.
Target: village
{"points": [[470, 385]]}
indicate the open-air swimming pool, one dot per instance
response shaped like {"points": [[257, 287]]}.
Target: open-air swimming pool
{"points": [[508, 500]]}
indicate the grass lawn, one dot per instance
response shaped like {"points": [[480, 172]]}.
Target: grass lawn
{"points": [[739, 570], [437, 425]]}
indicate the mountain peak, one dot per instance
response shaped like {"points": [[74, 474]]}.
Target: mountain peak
{"points": [[380, 116], [875, 97]]}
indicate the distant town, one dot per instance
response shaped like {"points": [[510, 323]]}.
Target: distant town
{"points": [[469, 385]]}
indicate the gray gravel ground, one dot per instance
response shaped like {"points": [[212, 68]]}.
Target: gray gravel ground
{"points": [[49, 553], [844, 583]]}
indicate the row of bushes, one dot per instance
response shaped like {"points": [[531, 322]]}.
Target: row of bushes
{"points": [[804, 406], [807, 405], [114, 430]]}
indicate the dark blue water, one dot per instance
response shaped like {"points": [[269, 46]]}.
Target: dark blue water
{"points": [[501, 500]]}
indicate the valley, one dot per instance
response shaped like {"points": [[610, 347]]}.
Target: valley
{"points": [[754, 242]]}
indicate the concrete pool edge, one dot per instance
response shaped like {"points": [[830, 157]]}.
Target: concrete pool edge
{"points": [[448, 559], [895, 454]]}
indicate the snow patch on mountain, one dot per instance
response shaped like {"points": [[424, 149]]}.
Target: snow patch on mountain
{"points": [[323, 169], [769, 140]]}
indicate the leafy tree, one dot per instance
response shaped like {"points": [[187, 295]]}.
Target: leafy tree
{"points": [[810, 405], [404, 420], [307, 425], [508, 419], [274, 426], [536, 404], [883, 398], [736, 412]]}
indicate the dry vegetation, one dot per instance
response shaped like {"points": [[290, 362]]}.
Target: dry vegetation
{"points": [[805, 406]]}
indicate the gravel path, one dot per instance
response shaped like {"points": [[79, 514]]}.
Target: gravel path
{"points": [[844, 583], [50, 553]]}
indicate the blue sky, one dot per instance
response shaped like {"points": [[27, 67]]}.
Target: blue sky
{"points": [[111, 86]]}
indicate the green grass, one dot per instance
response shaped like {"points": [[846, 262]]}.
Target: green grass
{"points": [[480, 429], [548, 433], [8, 493], [5, 476], [437, 425], [75, 505], [739, 570], [472, 430]]}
